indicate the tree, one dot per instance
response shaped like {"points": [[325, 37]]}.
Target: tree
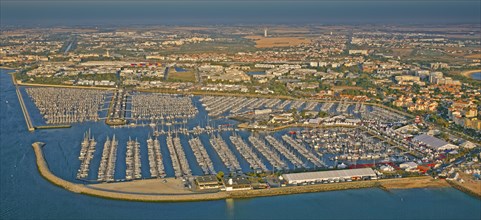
{"points": [[220, 175], [323, 114], [415, 88]]}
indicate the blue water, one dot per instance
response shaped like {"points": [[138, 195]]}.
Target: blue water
{"points": [[476, 76], [179, 69], [213, 12], [256, 73], [25, 194]]}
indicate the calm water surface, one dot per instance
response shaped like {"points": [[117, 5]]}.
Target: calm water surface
{"points": [[25, 194], [476, 76]]}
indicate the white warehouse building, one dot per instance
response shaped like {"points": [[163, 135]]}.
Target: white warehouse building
{"points": [[434, 143], [333, 175]]}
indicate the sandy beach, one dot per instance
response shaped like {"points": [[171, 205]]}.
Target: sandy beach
{"points": [[147, 186], [469, 73]]}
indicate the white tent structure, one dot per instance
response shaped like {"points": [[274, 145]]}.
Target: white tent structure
{"points": [[296, 178]]}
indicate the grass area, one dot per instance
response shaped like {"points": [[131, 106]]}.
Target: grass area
{"points": [[188, 76]]}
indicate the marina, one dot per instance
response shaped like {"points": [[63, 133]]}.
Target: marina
{"points": [[173, 118], [66, 106], [156, 163], [107, 164], [346, 143], [366, 109], [133, 160], [294, 159], [202, 156], [248, 154], [177, 155], [273, 158], [225, 154], [308, 154], [155, 107], [456, 198], [86, 154]]}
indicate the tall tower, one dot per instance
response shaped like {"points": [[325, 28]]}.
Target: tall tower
{"points": [[265, 32]]}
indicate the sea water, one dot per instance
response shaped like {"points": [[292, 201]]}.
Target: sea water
{"points": [[476, 76]]}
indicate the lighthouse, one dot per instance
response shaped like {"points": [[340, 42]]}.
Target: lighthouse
{"points": [[265, 32]]}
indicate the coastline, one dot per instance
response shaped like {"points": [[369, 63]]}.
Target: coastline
{"points": [[468, 186], [387, 184], [470, 72]]}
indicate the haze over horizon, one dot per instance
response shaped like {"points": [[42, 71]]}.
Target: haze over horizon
{"points": [[105, 12]]}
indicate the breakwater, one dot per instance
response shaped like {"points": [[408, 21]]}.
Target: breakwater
{"points": [[44, 171], [464, 189], [52, 126], [83, 189], [26, 115]]}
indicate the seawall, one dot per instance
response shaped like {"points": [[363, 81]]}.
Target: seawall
{"points": [[415, 182], [82, 189]]}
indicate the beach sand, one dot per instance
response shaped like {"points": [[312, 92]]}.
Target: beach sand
{"points": [[154, 186], [415, 182], [470, 186], [469, 73]]}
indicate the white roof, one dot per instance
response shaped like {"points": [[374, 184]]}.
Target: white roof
{"points": [[431, 141], [311, 176]]}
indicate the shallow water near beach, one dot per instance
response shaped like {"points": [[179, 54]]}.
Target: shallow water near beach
{"points": [[25, 194], [476, 76]]}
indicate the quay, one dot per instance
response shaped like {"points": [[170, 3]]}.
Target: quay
{"points": [[52, 126], [26, 115], [30, 126], [90, 189]]}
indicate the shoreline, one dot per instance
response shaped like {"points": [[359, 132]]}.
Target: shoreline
{"points": [[470, 73], [386, 184]]}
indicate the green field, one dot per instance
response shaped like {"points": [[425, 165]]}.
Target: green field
{"points": [[188, 76]]}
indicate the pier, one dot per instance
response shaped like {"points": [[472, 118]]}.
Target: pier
{"points": [[225, 154], [132, 160], [179, 160], [156, 163], [248, 154], [201, 156], [107, 162], [294, 159], [26, 115], [304, 151], [116, 111], [86, 154], [273, 158]]}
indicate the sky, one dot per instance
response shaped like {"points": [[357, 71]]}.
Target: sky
{"points": [[212, 12]]}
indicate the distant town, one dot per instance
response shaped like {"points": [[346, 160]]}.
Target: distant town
{"points": [[256, 107]]}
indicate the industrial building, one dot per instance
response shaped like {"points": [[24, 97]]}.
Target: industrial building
{"points": [[330, 176], [434, 143]]}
